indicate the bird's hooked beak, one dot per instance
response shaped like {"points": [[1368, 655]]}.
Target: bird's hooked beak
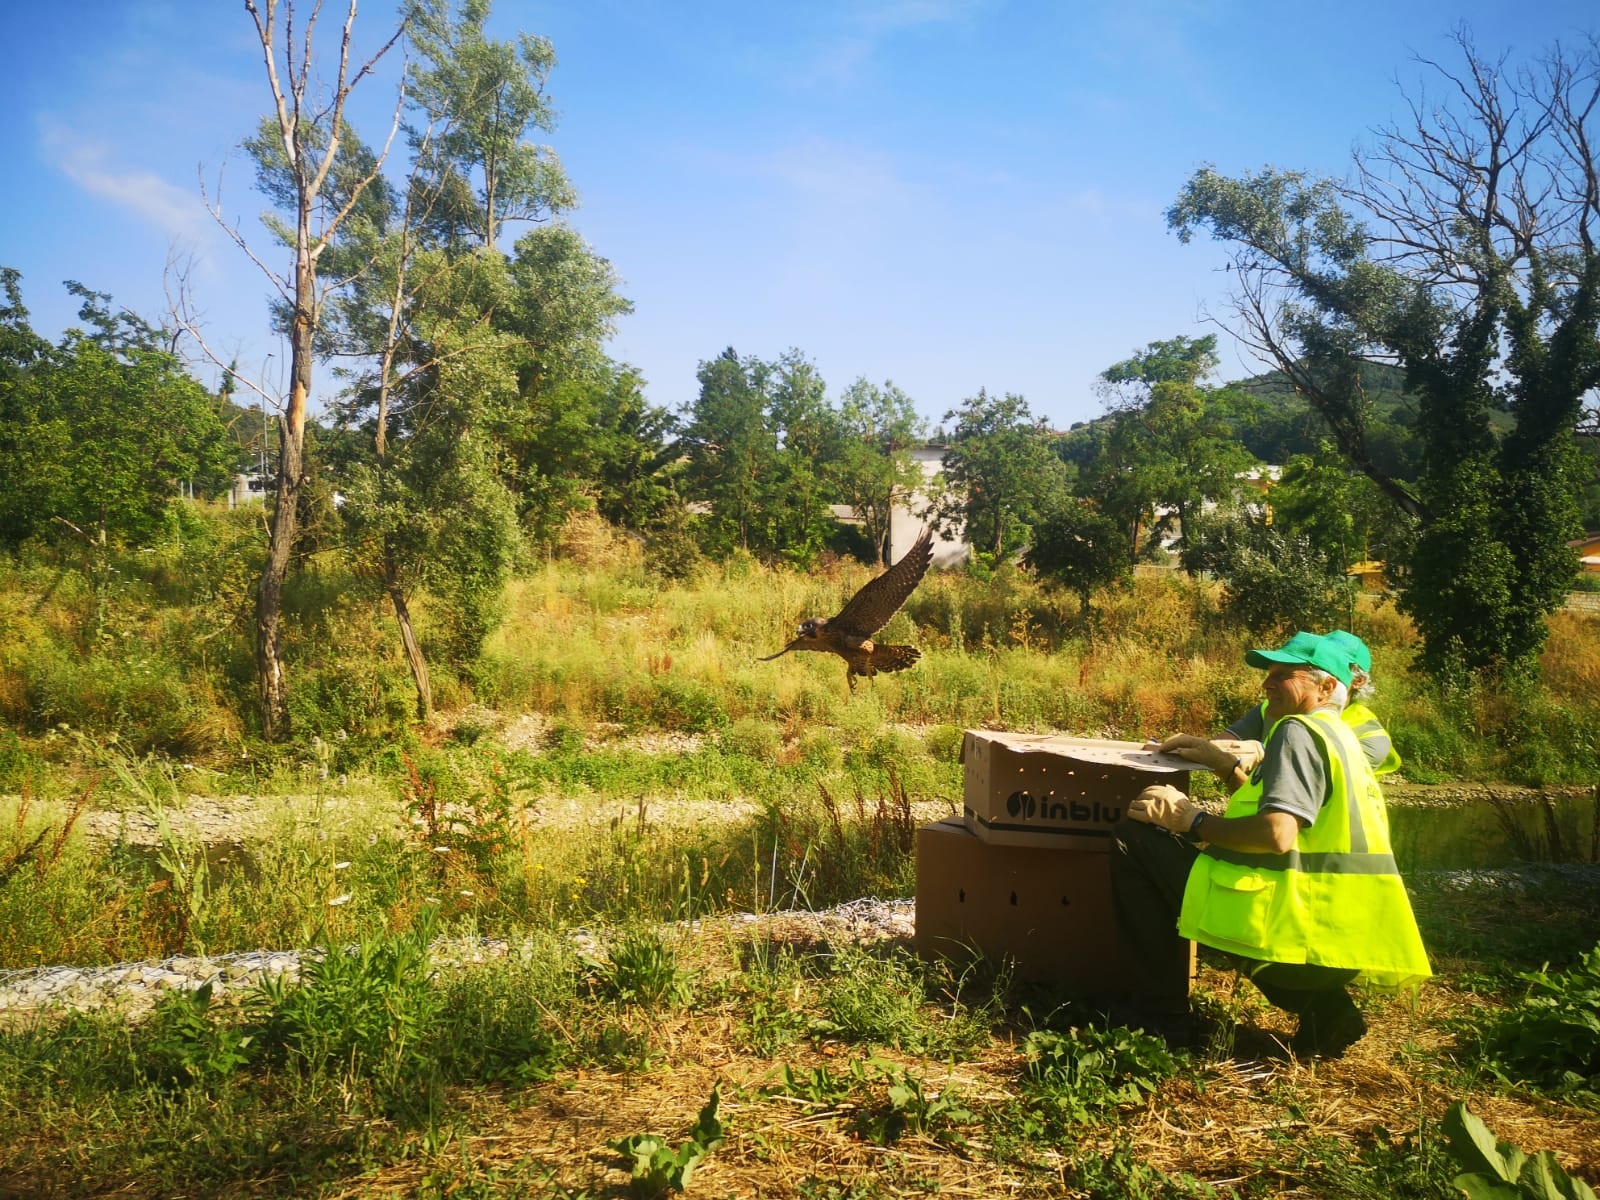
{"points": [[792, 645]]}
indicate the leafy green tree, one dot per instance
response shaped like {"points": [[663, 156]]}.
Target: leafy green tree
{"points": [[28, 438], [1275, 581], [480, 376], [635, 470], [1462, 251], [1078, 547], [560, 307], [1339, 512], [99, 433], [999, 474], [799, 491], [874, 470], [1170, 447], [729, 450], [482, 99], [1275, 423]]}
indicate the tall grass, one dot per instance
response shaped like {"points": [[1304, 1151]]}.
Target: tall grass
{"points": [[155, 649]]}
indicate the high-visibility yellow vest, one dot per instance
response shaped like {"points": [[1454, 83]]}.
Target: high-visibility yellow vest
{"points": [[1369, 731], [1335, 900]]}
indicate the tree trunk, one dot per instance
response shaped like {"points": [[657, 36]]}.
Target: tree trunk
{"points": [[408, 638], [286, 515]]}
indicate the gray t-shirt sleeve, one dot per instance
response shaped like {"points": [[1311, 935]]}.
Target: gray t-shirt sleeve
{"points": [[1250, 727], [1294, 778]]}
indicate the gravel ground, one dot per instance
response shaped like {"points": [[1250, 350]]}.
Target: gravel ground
{"points": [[135, 987]]}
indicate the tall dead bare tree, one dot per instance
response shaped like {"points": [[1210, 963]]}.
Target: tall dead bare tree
{"points": [[1464, 249], [308, 126]]}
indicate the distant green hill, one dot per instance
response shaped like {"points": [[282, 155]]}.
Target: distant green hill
{"points": [[1276, 423]]}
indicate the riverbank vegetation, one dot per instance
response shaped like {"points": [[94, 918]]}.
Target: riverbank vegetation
{"points": [[617, 761]]}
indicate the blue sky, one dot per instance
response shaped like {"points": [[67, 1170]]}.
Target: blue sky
{"points": [[950, 194]]}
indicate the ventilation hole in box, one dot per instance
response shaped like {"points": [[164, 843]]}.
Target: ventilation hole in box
{"points": [[1066, 902], [1013, 899], [961, 895]]}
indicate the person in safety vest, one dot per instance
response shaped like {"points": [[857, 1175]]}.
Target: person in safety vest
{"points": [[1297, 879]]}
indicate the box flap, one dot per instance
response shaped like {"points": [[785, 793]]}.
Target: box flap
{"points": [[1132, 755]]}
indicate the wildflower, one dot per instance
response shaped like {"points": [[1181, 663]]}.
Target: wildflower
{"points": [[338, 900]]}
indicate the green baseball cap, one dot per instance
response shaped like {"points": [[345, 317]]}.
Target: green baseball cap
{"points": [[1307, 649], [1360, 656]]}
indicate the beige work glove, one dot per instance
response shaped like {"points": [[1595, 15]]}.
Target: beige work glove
{"points": [[1164, 805], [1219, 755], [1247, 752]]}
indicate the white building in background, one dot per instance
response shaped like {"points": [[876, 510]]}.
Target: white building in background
{"points": [[906, 521], [249, 489]]}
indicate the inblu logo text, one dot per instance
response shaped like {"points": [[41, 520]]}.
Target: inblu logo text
{"points": [[1025, 806]]}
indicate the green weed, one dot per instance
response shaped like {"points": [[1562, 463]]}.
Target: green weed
{"points": [[1123, 1173], [819, 1087], [656, 1168], [185, 1044], [1085, 1071], [370, 1010], [882, 999], [642, 969], [907, 1107]]}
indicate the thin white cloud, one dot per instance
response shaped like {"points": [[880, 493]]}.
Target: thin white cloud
{"points": [[841, 59], [828, 170], [890, 15], [142, 193]]}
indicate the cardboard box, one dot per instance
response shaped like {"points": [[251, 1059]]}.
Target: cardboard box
{"points": [[1046, 909], [1026, 789]]}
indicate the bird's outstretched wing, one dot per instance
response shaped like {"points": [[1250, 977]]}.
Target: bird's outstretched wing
{"points": [[869, 609]]}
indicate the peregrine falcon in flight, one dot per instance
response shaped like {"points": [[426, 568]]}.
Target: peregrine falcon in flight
{"points": [[849, 635]]}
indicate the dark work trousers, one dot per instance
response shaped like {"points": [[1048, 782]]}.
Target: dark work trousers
{"points": [[1149, 868]]}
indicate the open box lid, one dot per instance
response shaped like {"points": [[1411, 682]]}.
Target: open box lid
{"points": [[1101, 751]]}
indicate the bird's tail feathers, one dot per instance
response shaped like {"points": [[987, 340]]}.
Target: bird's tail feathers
{"points": [[894, 658]]}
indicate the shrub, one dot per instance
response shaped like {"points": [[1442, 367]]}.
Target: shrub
{"points": [[752, 739], [1082, 1072], [1551, 1039], [370, 1009], [642, 969]]}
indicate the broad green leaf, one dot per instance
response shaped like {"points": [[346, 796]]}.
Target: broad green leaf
{"points": [[1544, 1179], [1476, 1187], [1475, 1146]]}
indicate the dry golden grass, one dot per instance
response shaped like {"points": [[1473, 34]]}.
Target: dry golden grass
{"points": [[1570, 665], [1234, 1121]]}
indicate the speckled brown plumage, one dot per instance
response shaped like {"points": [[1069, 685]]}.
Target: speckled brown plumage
{"points": [[849, 635]]}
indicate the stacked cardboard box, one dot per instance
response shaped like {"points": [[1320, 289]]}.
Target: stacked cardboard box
{"points": [[1023, 875]]}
